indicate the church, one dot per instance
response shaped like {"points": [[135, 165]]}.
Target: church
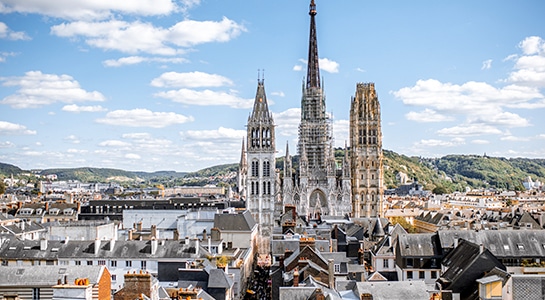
{"points": [[321, 185]]}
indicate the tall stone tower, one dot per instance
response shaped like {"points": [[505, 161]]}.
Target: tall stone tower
{"points": [[317, 192], [366, 153], [261, 177]]}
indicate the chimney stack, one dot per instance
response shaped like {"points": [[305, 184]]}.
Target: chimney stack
{"points": [[97, 246], [296, 277], [153, 245], [331, 272], [43, 244]]}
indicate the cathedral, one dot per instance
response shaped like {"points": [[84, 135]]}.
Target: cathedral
{"points": [[321, 185]]}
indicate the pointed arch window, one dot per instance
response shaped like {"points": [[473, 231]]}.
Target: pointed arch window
{"points": [[255, 168], [266, 169]]}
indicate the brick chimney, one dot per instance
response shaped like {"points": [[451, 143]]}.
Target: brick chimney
{"points": [[154, 231], [136, 284], [319, 294], [296, 277], [331, 274]]}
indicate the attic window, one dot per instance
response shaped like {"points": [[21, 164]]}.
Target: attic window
{"points": [[505, 247], [26, 248], [520, 246]]}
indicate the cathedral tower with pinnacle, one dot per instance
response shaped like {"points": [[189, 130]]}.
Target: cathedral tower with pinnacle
{"points": [[320, 188], [366, 153], [259, 164]]}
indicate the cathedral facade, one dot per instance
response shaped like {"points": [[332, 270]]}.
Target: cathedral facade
{"points": [[321, 185]]}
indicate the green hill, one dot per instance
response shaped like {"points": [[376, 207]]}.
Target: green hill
{"points": [[451, 172]]}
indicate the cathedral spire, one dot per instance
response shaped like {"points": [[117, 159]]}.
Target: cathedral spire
{"points": [[313, 69], [261, 109]]}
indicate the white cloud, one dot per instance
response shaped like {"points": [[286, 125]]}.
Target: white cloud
{"points": [[89, 9], [324, 63], [77, 109], [73, 139], [6, 33], [77, 151], [469, 130], [427, 116], [7, 144], [114, 143], [328, 65], [206, 98], [288, 122], [190, 80], [143, 118], [512, 138], [7, 128], [37, 89], [139, 37], [487, 64], [480, 142], [532, 45], [133, 60], [279, 94], [440, 143], [132, 156], [220, 134]]}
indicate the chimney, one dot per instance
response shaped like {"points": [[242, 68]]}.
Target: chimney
{"points": [[215, 233], [176, 235], [139, 226], [296, 277], [197, 246], [137, 284], [186, 240], [154, 231], [111, 245], [153, 245], [455, 243], [319, 294], [331, 272], [43, 244], [130, 234], [481, 248], [97, 246], [210, 245], [204, 234]]}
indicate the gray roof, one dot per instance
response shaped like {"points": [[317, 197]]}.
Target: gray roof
{"points": [[417, 245], [502, 243], [235, 222], [382, 290], [47, 275], [218, 279], [30, 249]]}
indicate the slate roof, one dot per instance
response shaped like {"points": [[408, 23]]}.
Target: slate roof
{"points": [[418, 245], [502, 243], [47, 275], [389, 290], [218, 279], [73, 249], [235, 222]]}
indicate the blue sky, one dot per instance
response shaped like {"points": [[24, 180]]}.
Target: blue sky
{"points": [[154, 85]]}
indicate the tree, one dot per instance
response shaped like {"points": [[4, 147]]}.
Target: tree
{"points": [[2, 187], [440, 190], [404, 223]]}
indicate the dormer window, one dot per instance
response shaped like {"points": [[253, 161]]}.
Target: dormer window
{"points": [[54, 211]]}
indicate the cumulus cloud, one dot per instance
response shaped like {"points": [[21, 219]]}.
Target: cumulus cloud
{"points": [[190, 80], [6, 33], [469, 130], [143, 118], [487, 64], [77, 109], [139, 37], [325, 64], [114, 143], [37, 89], [7, 128], [134, 60], [220, 134], [206, 98], [440, 143], [90, 9], [427, 116], [288, 122], [530, 67]]}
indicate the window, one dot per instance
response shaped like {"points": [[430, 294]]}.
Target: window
{"points": [[4, 262], [77, 262], [421, 275], [386, 264], [337, 268], [409, 262], [113, 263], [409, 274], [366, 296], [89, 262], [266, 169], [255, 168], [35, 293], [143, 265], [433, 274], [128, 263], [114, 277], [101, 262]]}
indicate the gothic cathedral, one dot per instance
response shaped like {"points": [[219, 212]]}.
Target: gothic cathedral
{"points": [[323, 185]]}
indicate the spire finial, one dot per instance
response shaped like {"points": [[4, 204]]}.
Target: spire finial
{"points": [[313, 69]]}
